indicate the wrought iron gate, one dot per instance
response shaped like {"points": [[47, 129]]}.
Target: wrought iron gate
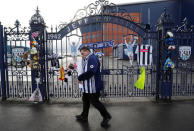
{"points": [[18, 74], [108, 30], [101, 25], [179, 81], [183, 76], [24, 53]]}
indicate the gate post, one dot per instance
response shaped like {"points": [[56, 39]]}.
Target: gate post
{"points": [[164, 86], [2, 64], [37, 34]]}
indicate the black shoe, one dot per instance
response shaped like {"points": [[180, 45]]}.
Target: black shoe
{"points": [[105, 121], [81, 118]]}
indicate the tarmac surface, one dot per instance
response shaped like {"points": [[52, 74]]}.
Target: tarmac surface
{"points": [[127, 116]]}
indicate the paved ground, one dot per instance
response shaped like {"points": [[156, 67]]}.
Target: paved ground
{"points": [[128, 116]]}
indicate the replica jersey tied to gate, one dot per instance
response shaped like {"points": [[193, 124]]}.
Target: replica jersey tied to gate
{"points": [[144, 55]]}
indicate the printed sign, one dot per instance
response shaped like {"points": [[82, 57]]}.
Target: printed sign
{"points": [[98, 45]]}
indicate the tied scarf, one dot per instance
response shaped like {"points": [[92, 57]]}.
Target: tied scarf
{"points": [[62, 73]]}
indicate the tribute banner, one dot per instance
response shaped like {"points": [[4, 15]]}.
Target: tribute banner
{"points": [[98, 45]]}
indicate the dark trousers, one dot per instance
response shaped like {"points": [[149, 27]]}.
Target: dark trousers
{"points": [[94, 100]]}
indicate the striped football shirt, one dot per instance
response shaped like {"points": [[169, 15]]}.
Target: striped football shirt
{"points": [[144, 55]]}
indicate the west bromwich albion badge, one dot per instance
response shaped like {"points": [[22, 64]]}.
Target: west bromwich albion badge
{"points": [[185, 52], [92, 66]]}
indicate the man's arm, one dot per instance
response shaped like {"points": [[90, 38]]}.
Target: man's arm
{"points": [[78, 43], [85, 76], [135, 40]]}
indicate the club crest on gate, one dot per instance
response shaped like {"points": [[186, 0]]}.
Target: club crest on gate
{"points": [[185, 52], [16, 53]]}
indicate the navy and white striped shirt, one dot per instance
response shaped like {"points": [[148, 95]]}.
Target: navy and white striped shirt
{"points": [[91, 77], [144, 54]]}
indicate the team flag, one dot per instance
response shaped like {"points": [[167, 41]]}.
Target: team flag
{"points": [[62, 73], [141, 80]]}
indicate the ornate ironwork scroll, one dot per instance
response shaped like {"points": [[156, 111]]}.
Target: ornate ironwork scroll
{"points": [[99, 7], [17, 33]]}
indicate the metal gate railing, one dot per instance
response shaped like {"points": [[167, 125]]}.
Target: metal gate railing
{"points": [[104, 30]]}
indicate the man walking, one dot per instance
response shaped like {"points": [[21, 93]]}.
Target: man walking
{"points": [[92, 85]]}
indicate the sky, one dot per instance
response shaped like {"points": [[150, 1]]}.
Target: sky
{"points": [[54, 12]]}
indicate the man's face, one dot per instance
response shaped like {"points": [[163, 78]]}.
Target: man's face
{"points": [[84, 53]]}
